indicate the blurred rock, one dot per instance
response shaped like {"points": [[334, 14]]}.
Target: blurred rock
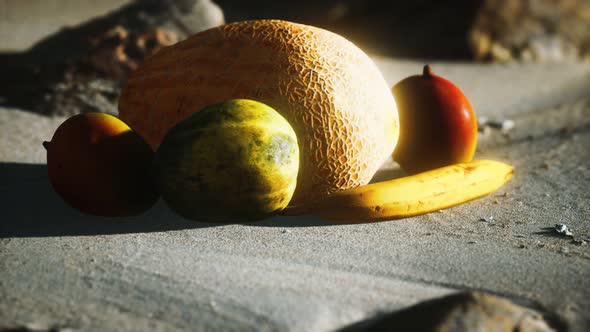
{"points": [[179, 18], [482, 30], [419, 28], [117, 52], [462, 312], [61, 73], [81, 69], [531, 30]]}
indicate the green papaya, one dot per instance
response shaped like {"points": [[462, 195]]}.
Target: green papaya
{"points": [[229, 162]]}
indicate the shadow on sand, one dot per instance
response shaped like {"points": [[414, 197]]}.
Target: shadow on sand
{"points": [[30, 208]]}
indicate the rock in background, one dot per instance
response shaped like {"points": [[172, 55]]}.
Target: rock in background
{"points": [[460, 312], [482, 30], [81, 68], [532, 30], [412, 29]]}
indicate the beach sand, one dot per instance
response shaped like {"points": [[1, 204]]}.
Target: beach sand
{"points": [[60, 268]]}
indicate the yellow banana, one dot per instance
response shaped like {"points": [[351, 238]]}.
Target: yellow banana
{"points": [[411, 195]]}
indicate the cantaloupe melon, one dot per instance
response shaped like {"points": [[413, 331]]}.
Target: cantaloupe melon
{"points": [[329, 90]]}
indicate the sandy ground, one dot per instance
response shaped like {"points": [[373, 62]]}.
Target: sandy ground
{"points": [[59, 268]]}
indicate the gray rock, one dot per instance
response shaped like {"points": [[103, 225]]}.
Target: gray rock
{"points": [[81, 69], [497, 30], [462, 312], [532, 31], [191, 16]]}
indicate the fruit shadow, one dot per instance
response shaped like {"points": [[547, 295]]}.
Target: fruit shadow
{"points": [[31, 208], [388, 171], [291, 221]]}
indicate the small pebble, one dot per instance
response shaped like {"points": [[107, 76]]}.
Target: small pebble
{"points": [[563, 229], [487, 219], [564, 250], [467, 311], [284, 231], [504, 125]]}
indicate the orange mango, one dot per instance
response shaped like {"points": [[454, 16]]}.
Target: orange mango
{"points": [[99, 166]]}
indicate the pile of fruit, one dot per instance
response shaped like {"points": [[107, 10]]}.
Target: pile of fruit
{"points": [[255, 118]]}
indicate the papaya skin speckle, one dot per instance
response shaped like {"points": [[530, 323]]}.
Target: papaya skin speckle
{"points": [[233, 161]]}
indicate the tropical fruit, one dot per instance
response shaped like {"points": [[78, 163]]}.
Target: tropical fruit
{"points": [[438, 126], [330, 91], [99, 166], [411, 195], [232, 161]]}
